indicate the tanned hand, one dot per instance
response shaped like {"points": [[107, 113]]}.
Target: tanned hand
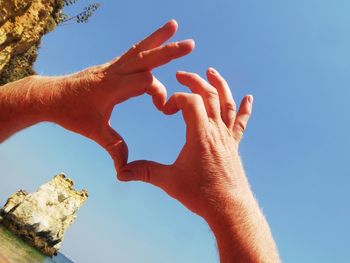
{"points": [[83, 102], [208, 176]]}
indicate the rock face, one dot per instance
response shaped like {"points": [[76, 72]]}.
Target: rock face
{"points": [[41, 218], [22, 24]]}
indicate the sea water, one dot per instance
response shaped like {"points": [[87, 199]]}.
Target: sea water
{"points": [[14, 250]]}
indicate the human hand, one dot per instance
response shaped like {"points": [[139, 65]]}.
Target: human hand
{"points": [[208, 177], [83, 102], [208, 170]]}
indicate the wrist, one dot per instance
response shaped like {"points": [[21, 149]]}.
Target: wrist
{"points": [[21, 105], [46, 95], [241, 230], [230, 207], [228, 197]]}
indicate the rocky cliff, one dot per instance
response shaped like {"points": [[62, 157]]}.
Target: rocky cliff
{"points": [[41, 218], [22, 24]]}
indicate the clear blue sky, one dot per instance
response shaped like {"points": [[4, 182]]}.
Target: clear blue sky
{"points": [[293, 56]]}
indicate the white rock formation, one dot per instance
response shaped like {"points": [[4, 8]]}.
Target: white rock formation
{"points": [[41, 218]]}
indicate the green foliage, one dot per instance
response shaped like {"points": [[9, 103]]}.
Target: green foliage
{"points": [[82, 17], [21, 65], [70, 2]]}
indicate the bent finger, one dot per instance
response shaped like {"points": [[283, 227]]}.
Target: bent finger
{"points": [[192, 107], [145, 171], [242, 118], [158, 92], [150, 59], [114, 144], [227, 103], [154, 40], [130, 85], [199, 86], [133, 85]]}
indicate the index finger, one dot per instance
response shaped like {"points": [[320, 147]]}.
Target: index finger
{"points": [[148, 60], [154, 40], [192, 107]]}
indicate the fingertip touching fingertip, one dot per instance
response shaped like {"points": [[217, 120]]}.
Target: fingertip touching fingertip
{"points": [[168, 109], [165, 111], [159, 103], [121, 178], [124, 175]]}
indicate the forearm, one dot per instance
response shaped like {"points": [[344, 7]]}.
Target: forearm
{"points": [[244, 235], [23, 103], [240, 228]]}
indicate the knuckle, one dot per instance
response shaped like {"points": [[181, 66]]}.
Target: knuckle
{"points": [[179, 96], [211, 92], [169, 48], [148, 78], [229, 106], [240, 125], [117, 150], [172, 45], [245, 111], [147, 175], [237, 136], [140, 56], [195, 99], [135, 47]]}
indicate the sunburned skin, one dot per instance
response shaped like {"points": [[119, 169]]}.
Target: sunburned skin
{"points": [[83, 102], [207, 177]]}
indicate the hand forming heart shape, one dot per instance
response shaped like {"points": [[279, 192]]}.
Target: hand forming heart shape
{"points": [[207, 177], [83, 102]]}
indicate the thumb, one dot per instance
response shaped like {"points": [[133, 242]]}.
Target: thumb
{"points": [[146, 171], [114, 144], [136, 84]]}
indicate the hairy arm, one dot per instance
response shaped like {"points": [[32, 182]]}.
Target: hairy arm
{"points": [[19, 107], [208, 176], [83, 102], [241, 230]]}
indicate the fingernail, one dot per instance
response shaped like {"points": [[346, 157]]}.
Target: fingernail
{"points": [[187, 42], [213, 71], [181, 72], [250, 99], [171, 21]]}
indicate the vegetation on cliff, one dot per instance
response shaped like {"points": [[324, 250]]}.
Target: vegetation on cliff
{"points": [[22, 25]]}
